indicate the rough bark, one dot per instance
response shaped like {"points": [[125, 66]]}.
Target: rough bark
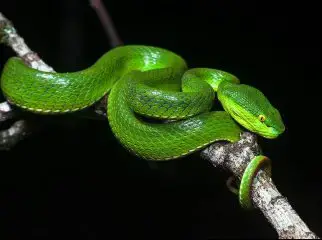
{"points": [[20, 128], [233, 157], [265, 196]]}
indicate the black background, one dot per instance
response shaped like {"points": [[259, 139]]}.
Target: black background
{"points": [[73, 179]]}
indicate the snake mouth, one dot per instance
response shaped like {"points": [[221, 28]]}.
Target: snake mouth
{"points": [[251, 123], [272, 132]]}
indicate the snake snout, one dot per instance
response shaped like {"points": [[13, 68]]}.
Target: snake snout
{"points": [[273, 132]]}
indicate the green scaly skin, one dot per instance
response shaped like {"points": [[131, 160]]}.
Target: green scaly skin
{"points": [[251, 170], [148, 82]]}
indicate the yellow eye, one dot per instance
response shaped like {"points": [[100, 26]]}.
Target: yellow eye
{"points": [[261, 118]]}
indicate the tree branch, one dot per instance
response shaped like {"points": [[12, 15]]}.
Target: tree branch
{"points": [[107, 22], [277, 210], [233, 157], [19, 129], [10, 37], [6, 112]]}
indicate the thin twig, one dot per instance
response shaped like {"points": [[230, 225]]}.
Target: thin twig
{"points": [[10, 37], [10, 137], [235, 157], [115, 40], [107, 22], [277, 210], [6, 112], [19, 129]]}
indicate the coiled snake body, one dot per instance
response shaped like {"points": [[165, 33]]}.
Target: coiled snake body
{"points": [[146, 82]]}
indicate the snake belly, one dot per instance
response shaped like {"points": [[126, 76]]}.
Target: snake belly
{"points": [[143, 82]]}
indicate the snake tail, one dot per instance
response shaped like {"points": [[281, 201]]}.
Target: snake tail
{"points": [[158, 108], [245, 188]]}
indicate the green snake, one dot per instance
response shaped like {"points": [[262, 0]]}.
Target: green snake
{"points": [[158, 109]]}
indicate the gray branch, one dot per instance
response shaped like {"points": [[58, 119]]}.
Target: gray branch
{"points": [[232, 157], [10, 37], [107, 22], [6, 112], [19, 129], [235, 157]]}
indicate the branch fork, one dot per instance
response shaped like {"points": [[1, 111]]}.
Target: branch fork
{"points": [[232, 157]]}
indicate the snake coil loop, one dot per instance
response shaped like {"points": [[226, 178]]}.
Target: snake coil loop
{"points": [[257, 163], [155, 83], [245, 187]]}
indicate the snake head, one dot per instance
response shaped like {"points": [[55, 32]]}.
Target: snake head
{"points": [[251, 109]]}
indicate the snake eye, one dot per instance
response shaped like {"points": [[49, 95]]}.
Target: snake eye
{"points": [[261, 118]]}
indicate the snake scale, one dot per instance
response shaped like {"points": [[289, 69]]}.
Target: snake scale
{"points": [[148, 83]]}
